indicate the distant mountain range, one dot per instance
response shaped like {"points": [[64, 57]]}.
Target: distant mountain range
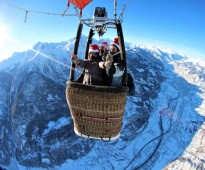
{"points": [[163, 125]]}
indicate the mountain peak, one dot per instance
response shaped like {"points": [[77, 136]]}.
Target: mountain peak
{"points": [[166, 115]]}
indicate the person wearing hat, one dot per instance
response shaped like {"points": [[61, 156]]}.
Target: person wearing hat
{"points": [[104, 48], [113, 64], [93, 73]]}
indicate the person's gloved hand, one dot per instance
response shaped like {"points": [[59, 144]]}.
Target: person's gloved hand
{"points": [[108, 64], [109, 57], [74, 58]]}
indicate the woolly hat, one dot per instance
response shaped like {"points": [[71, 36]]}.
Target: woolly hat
{"points": [[93, 48], [105, 45], [116, 43]]}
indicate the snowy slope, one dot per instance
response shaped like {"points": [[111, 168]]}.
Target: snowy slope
{"points": [[163, 126]]}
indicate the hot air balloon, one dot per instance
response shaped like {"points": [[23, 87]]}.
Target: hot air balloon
{"points": [[97, 111], [80, 4]]}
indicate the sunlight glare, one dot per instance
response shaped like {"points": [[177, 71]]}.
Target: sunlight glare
{"points": [[4, 36], [4, 42]]}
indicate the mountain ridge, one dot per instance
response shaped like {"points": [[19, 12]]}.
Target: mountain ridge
{"points": [[37, 130]]}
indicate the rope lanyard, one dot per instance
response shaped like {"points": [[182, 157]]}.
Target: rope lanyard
{"points": [[40, 12]]}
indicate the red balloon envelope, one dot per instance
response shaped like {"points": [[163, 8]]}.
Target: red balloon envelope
{"points": [[80, 3]]}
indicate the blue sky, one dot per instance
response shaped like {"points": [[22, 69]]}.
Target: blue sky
{"points": [[175, 24]]}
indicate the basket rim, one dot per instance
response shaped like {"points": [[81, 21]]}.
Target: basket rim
{"points": [[74, 84]]}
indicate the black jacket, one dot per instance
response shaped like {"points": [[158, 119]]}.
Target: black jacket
{"points": [[112, 70], [93, 73]]}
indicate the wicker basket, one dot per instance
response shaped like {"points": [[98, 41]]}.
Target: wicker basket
{"points": [[97, 111]]}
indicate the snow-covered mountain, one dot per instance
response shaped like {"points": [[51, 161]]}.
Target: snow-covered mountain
{"points": [[163, 126]]}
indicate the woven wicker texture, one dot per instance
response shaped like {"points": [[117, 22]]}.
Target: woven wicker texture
{"points": [[96, 113]]}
